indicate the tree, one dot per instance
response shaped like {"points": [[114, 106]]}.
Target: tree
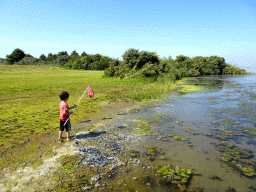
{"points": [[28, 55], [62, 53], [74, 53], [84, 54], [42, 57], [62, 60], [15, 56], [145, 57], [2, 60], [74, 56], [181, 58], [130, 57], [51, 57]]}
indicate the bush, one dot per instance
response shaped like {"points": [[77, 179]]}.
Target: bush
{"points": [[77, 64], [51, 57], [145, 57], [74, 53], [229, 69], [28, 55], [42, 57], [2, 61], [166, 65], [84, 54], [62, 60], [130, 57], [193, 73], [109, 72], [150, 70], [102, 63], [15, 56], [27, 61], [62, 53]]}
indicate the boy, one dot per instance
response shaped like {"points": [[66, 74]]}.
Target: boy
{"points": [[64, 114]]}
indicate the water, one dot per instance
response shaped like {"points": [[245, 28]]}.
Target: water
{"points": [[226, 110]]}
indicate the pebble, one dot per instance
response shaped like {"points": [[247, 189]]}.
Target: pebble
{"points": [[134, 178], [97, 185], [87, 188], [95, 178]]}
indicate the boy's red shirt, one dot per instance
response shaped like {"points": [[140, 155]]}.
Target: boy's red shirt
{"points": [[63, 107]]}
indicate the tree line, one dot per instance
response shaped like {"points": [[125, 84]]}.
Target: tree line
{"points": [[135, 63]]}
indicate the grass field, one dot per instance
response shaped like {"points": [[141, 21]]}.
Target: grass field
{"points": [[29, 101]]}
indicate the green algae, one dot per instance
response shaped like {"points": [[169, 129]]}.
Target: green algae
{"points": [[190, 131], [152, 150], [209, 134], [160, 116], [235, 150], [143, 127], [236, 157], [178, 175]]}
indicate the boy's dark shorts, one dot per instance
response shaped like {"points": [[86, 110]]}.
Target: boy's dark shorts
{"points": [[67, 126]]}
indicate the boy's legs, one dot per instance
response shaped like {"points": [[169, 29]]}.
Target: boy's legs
{"points": [[61, 129], [60, 134], [68, 128], [68, 136]]}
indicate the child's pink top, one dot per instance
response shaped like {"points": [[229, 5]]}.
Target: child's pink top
{"points": [[63, 107]]}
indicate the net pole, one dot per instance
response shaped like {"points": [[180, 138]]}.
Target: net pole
{"points": [[75, 107]]}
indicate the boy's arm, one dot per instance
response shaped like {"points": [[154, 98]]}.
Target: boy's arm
{"points": [[72, 107], [66, 112]]}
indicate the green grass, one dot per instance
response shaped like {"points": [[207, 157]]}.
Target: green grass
{"points": [[29, 100]]}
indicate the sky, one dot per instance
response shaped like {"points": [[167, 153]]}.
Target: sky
{"points": [[226, 28]]}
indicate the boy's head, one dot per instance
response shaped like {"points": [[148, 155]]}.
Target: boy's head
{"points": [[64, 95]]}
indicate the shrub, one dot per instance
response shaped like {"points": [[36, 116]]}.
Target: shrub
{"points": [[74, 53], [62, 53], [145, 57], [229, 69], [62, 60], [84, 54], [42, 57], [51, 57], [165, 65], [109, 72], [28, 55], [2, 61], [15, 56], [193, 73], [69, 64], [77, 64], [130, 57], [102, 63], [150, 70], [181, 58], [27, 61]]}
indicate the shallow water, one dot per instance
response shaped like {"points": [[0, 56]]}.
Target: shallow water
{"points": [[226, 109]]}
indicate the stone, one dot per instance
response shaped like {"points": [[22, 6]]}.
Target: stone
{"points": [[97, 185], [87, 188]]}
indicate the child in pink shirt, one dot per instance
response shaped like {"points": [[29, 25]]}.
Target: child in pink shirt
{"points": [[64, 115]]}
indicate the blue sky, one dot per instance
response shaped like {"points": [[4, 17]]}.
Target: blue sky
{"points": [[226, 28]]}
